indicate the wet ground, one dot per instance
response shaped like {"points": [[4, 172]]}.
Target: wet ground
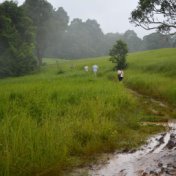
{"points": [[156, 158]]}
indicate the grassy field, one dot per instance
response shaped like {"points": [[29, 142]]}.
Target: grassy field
{"points": [[153, 73], [61, 117]]}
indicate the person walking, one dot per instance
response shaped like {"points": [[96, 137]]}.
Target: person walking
{"points": [[95, 69], [120, 74], [86, 68]]}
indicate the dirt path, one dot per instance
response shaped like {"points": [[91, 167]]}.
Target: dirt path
{"points": [[156, 158]]}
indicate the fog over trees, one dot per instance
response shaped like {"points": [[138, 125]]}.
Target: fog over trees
{"points": [[17, 41], [35, 30], [86, 39]]}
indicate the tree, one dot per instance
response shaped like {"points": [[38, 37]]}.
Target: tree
{"points": [[118, 54], [155, 14], [40, 11], [132, 40], [156, 41], [16, 41], [83, 39], [57, 26]]}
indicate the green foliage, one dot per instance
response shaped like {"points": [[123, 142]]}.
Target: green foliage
{"points": [[133, 42], [153, 73], [50, 26], [156, 41], [118, 54], [16, 41], [88, 40], [40, 12], [158, 14], [59, 68], [55, 38], [52, 122]]}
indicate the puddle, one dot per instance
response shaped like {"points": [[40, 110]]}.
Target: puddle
{"points": [[157, 157], [128, 164]]}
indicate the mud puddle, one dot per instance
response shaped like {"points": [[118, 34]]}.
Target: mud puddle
{"points": [[157, 157]]}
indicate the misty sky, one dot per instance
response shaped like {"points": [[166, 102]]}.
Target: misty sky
{"points": [[112, 15]]}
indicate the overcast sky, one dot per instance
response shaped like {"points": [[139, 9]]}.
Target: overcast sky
{"points": [[112, 15]]}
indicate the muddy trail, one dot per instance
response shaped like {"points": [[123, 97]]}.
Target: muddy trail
{"points": [[156, 158]]}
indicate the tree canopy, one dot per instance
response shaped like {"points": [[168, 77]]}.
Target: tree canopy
{"points": [[156, 41], [40, 12], [118, 54], [133, 41], [16, 41], [83, 39], [155, 14], [49, 23], [36, 30]]}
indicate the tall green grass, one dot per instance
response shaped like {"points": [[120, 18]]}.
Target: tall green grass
{"points": [[52, 121], [153, 73]]}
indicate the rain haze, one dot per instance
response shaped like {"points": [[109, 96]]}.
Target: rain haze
{"points": [[113, 16]]}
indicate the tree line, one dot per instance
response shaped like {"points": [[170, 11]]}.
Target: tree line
{"points": [[35, 30]]}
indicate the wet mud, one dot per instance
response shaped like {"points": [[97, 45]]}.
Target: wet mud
{"points": [[156, 158]]}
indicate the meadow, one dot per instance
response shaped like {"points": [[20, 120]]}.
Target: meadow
{"points": [[153, 73], [61, 117]]}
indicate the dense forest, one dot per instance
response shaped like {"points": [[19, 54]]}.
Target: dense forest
{"points": [[35, 30]]}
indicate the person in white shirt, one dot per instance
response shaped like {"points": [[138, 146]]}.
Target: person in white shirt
{"points": [[120, 74], [95, 69], [86, 68]]}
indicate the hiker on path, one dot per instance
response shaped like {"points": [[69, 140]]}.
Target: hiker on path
{"points": [[95, 69], [86, 68], [120, 74]]}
